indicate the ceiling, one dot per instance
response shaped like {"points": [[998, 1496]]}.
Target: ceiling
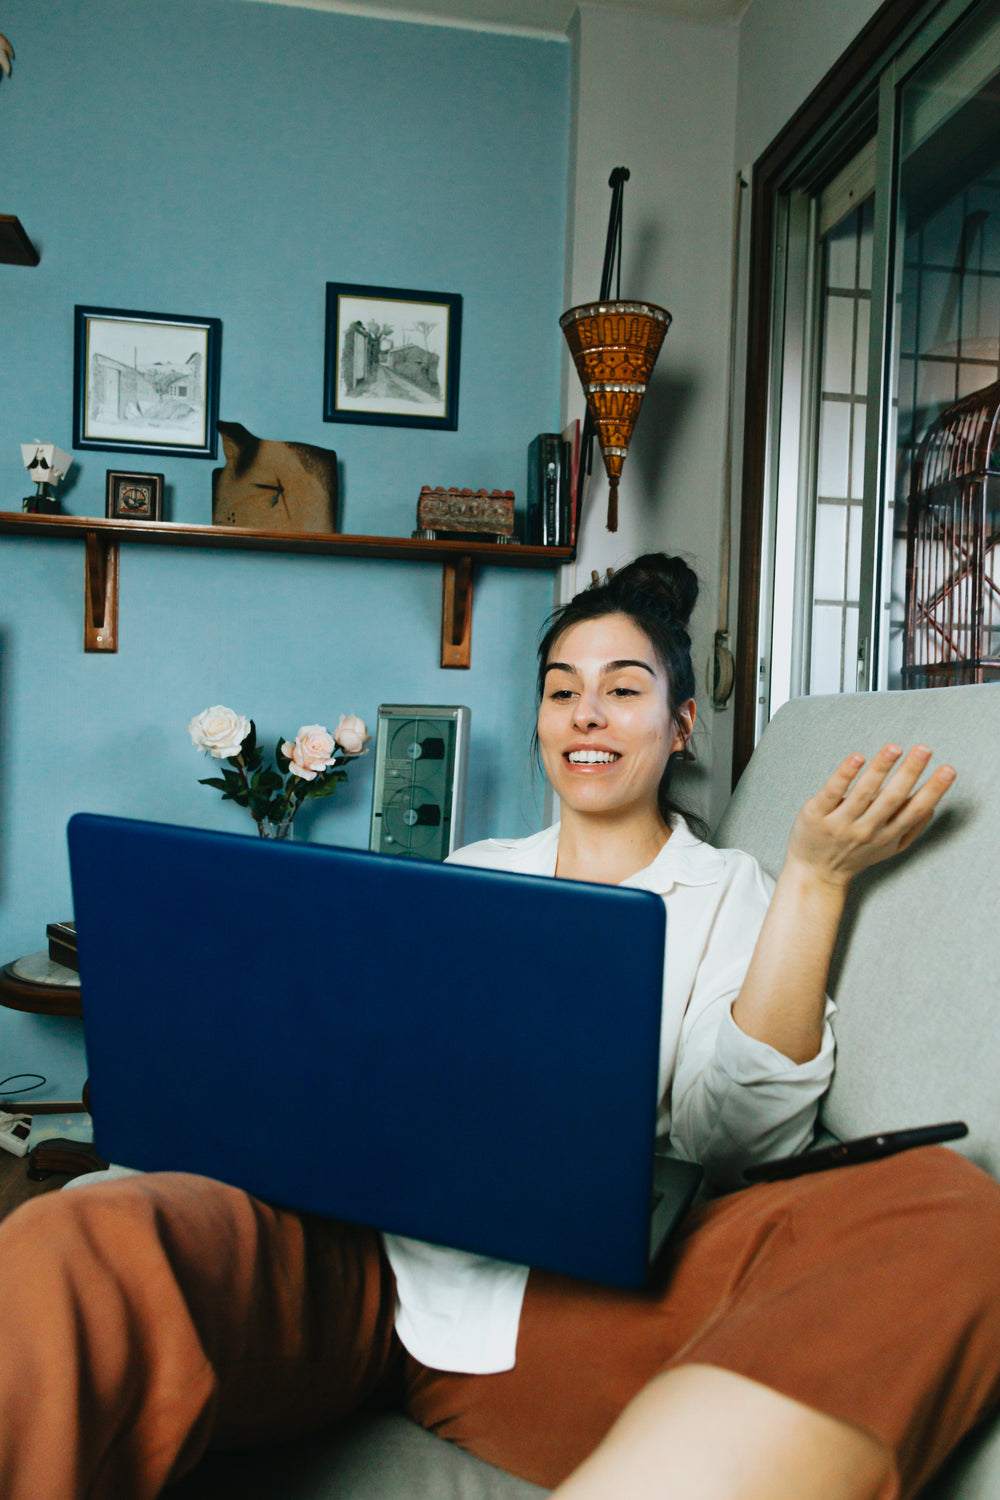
{"points": [[552, 16]]}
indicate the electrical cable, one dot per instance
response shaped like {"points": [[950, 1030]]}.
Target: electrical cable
{"points": [[25, 1088]]}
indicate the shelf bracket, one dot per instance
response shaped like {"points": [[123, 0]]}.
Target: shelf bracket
{"points": [[456, 613], [100, 620]]}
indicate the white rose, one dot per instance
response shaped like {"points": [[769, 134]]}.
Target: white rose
{"points": [[312, 751], [351, 734], [220, 731]]}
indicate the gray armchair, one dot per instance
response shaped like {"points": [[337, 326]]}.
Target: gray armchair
{"points": [[915, 978]]}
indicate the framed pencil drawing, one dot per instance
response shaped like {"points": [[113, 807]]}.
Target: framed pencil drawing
{"points": [[146, 382], [392, 356]]}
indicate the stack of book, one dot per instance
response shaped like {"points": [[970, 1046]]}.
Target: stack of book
{"points": [[62, 944], [551, 517]]}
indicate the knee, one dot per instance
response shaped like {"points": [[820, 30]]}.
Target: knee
{"points": [[54, 1226]]}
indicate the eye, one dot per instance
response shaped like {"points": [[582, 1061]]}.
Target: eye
{"points": [[624, 692], [561, 695]]}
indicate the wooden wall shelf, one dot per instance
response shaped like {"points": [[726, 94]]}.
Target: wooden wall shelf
{"points": [[102, 537]]}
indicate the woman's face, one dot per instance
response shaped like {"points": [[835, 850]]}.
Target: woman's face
{"points": [[606, 726]]}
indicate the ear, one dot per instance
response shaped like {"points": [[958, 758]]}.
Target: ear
{"points": [[684, 717]]}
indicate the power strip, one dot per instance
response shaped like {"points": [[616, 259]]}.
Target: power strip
{"points": [[14, 1133]]}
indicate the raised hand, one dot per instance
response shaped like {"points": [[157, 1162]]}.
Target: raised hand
{"points": [[861, 817]]}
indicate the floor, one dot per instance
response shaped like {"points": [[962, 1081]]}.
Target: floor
{"points": [[15, 1185]]}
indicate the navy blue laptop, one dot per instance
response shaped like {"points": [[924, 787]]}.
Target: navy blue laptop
{"points": [[463, 1056]]}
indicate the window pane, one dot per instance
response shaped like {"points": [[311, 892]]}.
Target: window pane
{"points": [[834, 447], [841, 454], [830, 551], [838, 346], [825, 667], [949, 294]]}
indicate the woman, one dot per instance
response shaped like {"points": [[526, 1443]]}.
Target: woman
{"points": [[796, 1344]]}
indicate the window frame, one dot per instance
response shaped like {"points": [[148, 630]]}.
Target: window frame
{"points": [[859, 95]]}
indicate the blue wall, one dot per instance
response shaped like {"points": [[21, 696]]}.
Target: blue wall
{"points": [[227, 159]]}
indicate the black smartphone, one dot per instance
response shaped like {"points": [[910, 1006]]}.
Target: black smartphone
{"points": [[847, 1153]]}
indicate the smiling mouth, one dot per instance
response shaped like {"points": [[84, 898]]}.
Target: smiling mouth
{"points": [[592, 757]]}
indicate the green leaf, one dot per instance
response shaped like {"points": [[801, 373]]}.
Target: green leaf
{"points": [[215, 781], [280, 757], [260, 806], [326, 785]]}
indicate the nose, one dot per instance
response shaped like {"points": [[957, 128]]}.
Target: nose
{"points": [[589, 714]]}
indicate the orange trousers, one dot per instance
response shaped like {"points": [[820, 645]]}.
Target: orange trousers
{"points": [[145, 1319]]}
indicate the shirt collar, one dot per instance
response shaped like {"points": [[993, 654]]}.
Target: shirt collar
{"points": [[683, 860]]}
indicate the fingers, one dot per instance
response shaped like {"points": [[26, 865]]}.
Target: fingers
{"points": [[915, 812], [880, 793], [899, 798], [873, 778], [878, 800], [833, 791]]}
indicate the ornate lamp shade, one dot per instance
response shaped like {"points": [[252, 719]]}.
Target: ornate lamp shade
{"points": [[614, 347]]}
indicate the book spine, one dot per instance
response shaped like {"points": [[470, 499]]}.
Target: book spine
{"points": [[533, 517], [549, 518], [550, 479], [571, 437], [565, 523]]}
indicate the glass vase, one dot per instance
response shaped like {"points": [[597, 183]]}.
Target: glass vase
{"points": [[269, 830]]}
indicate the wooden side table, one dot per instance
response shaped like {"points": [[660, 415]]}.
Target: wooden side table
{"points": [[38, 985], [44, 988]]}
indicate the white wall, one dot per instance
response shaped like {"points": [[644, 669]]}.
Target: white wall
{"points": [[659, 97], [785, 49]]}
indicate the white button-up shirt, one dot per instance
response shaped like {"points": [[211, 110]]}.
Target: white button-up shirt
{"points": [[726, 1099]]}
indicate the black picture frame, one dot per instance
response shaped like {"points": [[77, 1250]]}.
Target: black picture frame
{"points": [[388, 366], [146, 382], [133, 497]]}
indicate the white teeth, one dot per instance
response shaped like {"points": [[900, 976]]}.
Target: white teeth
{"points": [[592, 757]]}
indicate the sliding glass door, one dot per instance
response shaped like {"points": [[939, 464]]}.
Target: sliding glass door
{"points": [[884, 300]]}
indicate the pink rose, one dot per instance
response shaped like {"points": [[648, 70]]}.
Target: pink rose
{"points": [[351, 734], [312, 752]]}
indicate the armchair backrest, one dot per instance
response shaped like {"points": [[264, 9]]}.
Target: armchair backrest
{"points": [[916, 974]]}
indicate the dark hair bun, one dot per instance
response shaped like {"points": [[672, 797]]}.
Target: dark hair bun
{"points": [[666, 584]]}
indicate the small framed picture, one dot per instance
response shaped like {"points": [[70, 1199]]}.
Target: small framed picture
{"points": [[392, 356], [134, 497], [146, 382]]}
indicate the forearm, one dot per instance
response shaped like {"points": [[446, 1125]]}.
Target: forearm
{"points": [[783, 997]]}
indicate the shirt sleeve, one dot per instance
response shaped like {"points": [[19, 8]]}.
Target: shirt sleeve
{"points": [[734, 1099]]}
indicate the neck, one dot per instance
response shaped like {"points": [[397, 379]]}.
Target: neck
{"points": [[607, 850]]}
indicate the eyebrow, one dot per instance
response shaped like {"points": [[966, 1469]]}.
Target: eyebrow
{"points": [[609, 666]]}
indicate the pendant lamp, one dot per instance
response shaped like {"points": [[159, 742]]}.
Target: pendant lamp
{"points": [[614, 345]]}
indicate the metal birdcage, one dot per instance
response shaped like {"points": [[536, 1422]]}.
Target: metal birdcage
{"points": [[953, 548]]}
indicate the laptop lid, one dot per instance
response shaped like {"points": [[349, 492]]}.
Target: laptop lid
{"points": [[464, 1056]]}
